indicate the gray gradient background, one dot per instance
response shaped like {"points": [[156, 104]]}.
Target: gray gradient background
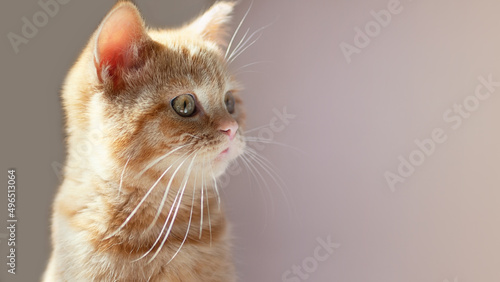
{"points": [[352, 122]]}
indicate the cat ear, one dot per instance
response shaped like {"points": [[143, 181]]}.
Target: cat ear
{"points": [[213, 23], [118, 42]]}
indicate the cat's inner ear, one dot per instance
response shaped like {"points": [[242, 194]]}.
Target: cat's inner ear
{"points": [[213, 24], [118, 42]]}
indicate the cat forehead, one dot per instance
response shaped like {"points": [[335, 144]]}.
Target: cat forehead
{"points": [[185, 38], [209, 79]]}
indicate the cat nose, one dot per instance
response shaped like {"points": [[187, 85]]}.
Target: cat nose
{"points": [[229, 128]]}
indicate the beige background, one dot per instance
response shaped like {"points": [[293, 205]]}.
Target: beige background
{"points": [[352, 122]]}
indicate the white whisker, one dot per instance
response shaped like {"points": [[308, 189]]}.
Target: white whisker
{"points": [[208, 208], [256, 128], [263, 159], [237, 29], [236, 55], [189, 223], [238, 51], [192, 135], [141, 202], [121, 177], [239, 43], [177, 201], [246, 162], [165, 194], [201, 190], [157, 160], [177, 209], [158, 238], [267, 166], [255, 172], [269, 141], [215, 187], [251, 64]]}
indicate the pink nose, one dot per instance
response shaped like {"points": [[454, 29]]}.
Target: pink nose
{"points": [[229, 128]]}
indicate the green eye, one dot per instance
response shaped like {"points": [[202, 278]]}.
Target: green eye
{"points": [[229, 101], [184, 105]]}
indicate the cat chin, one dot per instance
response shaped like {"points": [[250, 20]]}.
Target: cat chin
{"points": [[219, 167]]}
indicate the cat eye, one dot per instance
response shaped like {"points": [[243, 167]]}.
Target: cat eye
{"points": [[229, 101], [184, 105]]}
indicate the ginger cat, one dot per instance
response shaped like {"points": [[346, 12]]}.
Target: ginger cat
{"points": [[144, 205]]}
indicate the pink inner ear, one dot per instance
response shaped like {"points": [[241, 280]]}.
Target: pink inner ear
{"points": [[122, 30]]}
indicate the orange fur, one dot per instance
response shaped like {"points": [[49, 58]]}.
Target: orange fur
{"points": [[118, 95]]}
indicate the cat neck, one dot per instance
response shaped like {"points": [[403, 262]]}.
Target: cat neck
{"points": [[190, 214]]}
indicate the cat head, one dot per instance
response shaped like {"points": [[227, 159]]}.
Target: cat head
{"points": [[160, 97]]}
